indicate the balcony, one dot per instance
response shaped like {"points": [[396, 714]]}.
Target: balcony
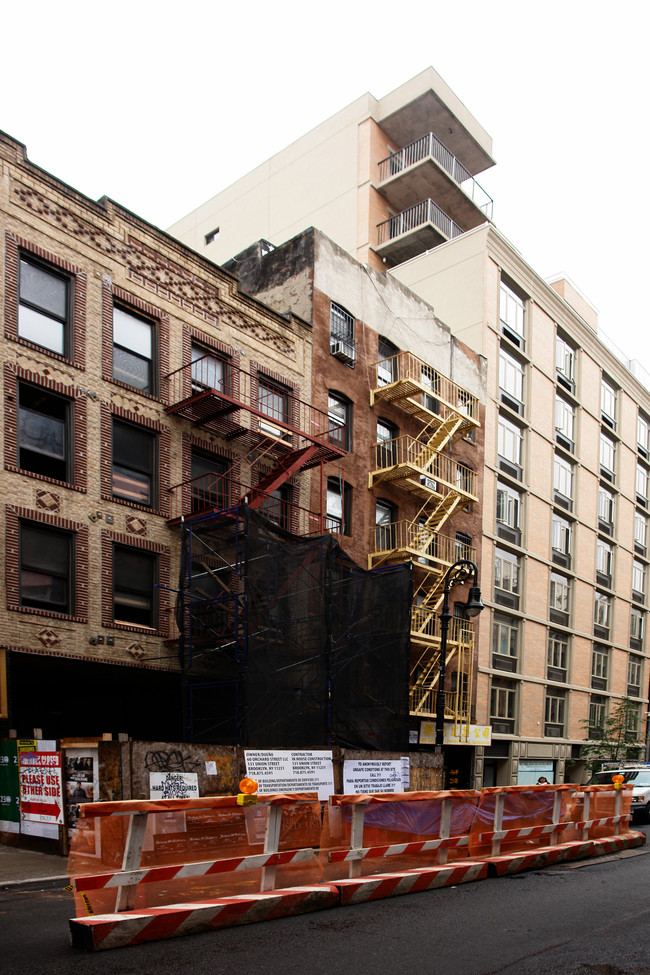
{"points": [[426, 168], [401, 541], [258, 413], [417, 229], [417, 467], [421, 391]]}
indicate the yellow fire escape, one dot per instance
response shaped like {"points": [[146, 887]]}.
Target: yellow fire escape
{"points": [[418, 464]]}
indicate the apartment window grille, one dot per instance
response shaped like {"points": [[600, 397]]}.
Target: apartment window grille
{"points": [[342, 344], [599, 667], [640, 533], [134, 464], [511, 315], [503, 705], [607, 458], [44, 434], [634, 675], [505, 642], [46, 573], [339, 410], [565, 360], [134, 586], [563, 478], [44, 306], [557, 656], [554, 713], [511, 382], [564, 423], [608, 404], [133, 349]]}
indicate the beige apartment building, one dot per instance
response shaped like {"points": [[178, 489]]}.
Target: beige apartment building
{"points": [[567, 425]]}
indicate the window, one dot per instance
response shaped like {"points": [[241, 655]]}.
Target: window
{"points": [[134, 586], [642, 485], [633, 716], [273, 401], [277, 507], [339, 410], [509, 513], [607, 457], [210, 489], [559, 598], [342, 334], [211, 236], [605, 510], [563, 482], [506, 578], [638, 580], [561, 540], [604, 556], [505, 642], [463, 546], [430, 379], [554, 712], [597, 714], [134, 450], [385, 518], [44, 433], [386, 448], [640, 533], [509, 447], [387, 365], [634, 675], [44, 306], [133, 345], [565, 360], [564, 423], [601, 613], [599, 667], [208, 370], [339, 506], [643, 435], [503, 705], [608, 404], [511, 314], [46, 556], [637, 628], [511, 381], [557, 656]]}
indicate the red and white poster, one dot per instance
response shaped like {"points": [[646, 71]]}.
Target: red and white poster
{"points": [[41, 788]]}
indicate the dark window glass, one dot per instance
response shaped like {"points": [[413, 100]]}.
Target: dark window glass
{"points": [[43, 435], [45, 568], [133, 463], [209, 484], [134, 576], [43, 306], [276, 508], [338, 409]]}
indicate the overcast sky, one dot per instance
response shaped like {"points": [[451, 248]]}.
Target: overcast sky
{"points": [[160, 105]]}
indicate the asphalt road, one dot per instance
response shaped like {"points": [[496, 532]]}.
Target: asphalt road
{"points": [[589, 918]]}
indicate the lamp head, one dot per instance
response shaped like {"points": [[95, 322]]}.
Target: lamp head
{"points": [[474, 605]]}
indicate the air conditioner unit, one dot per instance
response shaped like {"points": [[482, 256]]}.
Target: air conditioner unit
{"points": [[343, 351]]}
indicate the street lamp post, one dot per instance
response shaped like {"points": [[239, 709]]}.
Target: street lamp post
{"points": [[460, 571]]}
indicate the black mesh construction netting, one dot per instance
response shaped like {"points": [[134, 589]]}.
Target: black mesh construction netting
{"points": [[285, 642]]}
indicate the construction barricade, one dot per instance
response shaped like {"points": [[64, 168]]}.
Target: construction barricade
{"points": [[147, 870]]}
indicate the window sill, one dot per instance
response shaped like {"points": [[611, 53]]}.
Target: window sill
{"points": [[46, 613], [45, 479]]}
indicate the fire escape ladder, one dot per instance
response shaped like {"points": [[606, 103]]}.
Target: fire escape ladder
{"points": [[438, 440], [283, 470]]}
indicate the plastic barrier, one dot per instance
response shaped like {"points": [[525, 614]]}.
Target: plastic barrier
{"points": [[146, 870]]}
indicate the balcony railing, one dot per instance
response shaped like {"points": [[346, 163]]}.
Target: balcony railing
{"points": [[428, 549], [235, 404], [423, 702], [425, 212], [406, 457], [405, 375], [429, 146]]}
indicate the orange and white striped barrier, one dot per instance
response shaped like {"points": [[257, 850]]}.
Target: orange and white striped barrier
{"points": [[363, 889]]}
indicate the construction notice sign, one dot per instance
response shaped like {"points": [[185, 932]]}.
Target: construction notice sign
{"points": [[279, 771], [41, 788]]}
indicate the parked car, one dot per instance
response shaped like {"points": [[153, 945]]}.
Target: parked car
{"points": [[639, 776]]}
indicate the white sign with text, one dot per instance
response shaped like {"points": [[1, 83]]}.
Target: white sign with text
{"points": [[286, 771], [364, 776]]}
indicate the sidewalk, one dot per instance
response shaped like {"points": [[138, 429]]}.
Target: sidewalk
{"points": [[28, 870]]}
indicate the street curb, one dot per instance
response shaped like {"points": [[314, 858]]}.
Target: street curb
{"points": [[35, 883]]}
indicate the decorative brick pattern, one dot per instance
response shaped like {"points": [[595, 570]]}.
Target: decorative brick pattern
{"points": [[48, 501], [48, 637], [136, 526]]}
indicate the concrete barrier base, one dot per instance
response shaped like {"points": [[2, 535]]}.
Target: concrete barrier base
{"points": [[577, 850], [361, 889]]}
